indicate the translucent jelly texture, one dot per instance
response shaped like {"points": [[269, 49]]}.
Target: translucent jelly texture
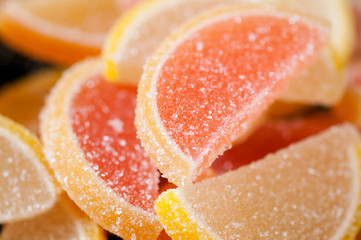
{"points": [[57, 223], [25, 190], [102, 115], [270, 137], [306, 191], [220, 78]]}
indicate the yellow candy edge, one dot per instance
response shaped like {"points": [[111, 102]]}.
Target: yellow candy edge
{"points": [[176, 220], [29, 139], [178, 223], [122, 24]]}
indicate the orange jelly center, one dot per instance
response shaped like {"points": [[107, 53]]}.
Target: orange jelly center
{"points": [[102, 115], [225, 74]]}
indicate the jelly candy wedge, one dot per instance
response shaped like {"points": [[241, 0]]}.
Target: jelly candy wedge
{"points": [[213, 77], [27, 187], [310, 190], [23, 99], [64, 221], [57, 31], [90, 141], [135, 36], [271, 136]]}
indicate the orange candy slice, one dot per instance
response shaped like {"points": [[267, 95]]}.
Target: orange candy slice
{"points": [[214, 76], [310, 190], [57, 31], [90, 140]]}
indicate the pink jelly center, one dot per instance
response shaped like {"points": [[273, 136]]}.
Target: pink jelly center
{"points": [[225, 74], [102, 117]]}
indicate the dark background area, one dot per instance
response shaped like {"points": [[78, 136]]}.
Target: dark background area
{"points": [[14, 65]]}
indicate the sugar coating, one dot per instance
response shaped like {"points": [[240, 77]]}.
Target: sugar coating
{"points": [[152, 23], [322, 83], [57, 223], [305, 191], [102, 117], [24, 192], [271, 136], [80, 178], [139, 42], [220, 77]]}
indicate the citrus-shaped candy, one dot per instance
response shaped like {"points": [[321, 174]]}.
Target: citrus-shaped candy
{"points": [[90, 141], [64, 221], [23, 99], [135, 36], [27, 188], [213, 77], [310, 190], [57, 31]]}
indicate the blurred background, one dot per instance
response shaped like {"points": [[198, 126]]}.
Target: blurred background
{"points": [[14, 65]]}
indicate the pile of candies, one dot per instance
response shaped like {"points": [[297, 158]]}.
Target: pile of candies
{"points": [[182, 119]]}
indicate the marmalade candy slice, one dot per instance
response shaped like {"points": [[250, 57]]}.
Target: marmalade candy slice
{"points": [[27, 186], [310, 190], [90, 141], [213, 77]]}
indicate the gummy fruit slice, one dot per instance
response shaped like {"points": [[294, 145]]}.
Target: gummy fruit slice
{"points": [[64, 221], [310, 190], [57, 31], [90, 141], [214, 76], [27, 188]]}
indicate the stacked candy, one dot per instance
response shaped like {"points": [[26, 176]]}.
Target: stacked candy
{"points": [[205, 119]]}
